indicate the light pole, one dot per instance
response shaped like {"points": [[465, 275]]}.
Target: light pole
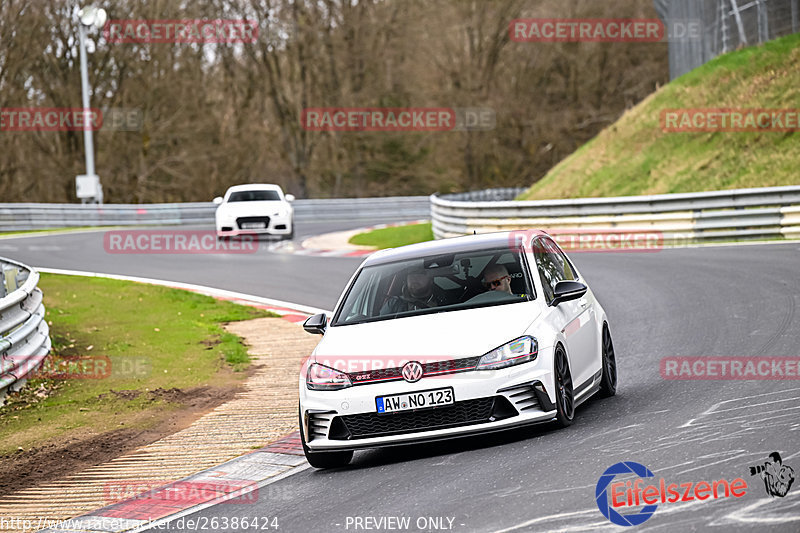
{"points": [[88, 185]]}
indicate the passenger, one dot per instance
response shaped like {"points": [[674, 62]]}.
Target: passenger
{"points": [[496, 278]]}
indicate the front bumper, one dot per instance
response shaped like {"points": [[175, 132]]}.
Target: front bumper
{"points": [[275, 225], [485, 401]]}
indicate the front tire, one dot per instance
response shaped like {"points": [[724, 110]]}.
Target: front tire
{"points": [[565, 399], [608, 383], [324, 459]]}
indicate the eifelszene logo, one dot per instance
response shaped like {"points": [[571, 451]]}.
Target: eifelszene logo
{"points": [[630, 494], [607, 508]]}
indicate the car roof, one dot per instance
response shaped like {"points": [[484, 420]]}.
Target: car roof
{"points": [[255, 187], [486, 241]]}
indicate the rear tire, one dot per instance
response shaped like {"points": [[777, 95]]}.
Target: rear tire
{"points": [[565, 399], [324, 459], [608, 383]]}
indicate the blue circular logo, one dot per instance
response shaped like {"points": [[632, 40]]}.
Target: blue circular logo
{"points": [[601, 494]]}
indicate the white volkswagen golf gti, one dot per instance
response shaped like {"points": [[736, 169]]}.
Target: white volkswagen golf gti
{"points": [[449, 338]]}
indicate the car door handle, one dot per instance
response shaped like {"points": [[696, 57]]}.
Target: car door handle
{"points": [[584, 303]]}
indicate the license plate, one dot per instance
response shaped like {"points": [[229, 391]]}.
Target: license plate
{"points": [[254, 225], [414, 400]]}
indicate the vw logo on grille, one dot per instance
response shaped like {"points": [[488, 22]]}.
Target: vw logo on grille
{"points": [[412, 371]]}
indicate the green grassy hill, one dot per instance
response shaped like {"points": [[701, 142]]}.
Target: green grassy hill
{"points": [[634, 156]]}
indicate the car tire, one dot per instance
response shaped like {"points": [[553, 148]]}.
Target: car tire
{"points": [[608, 383], [324, 459], [565, 399]]}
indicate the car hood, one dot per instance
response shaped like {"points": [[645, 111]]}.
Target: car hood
{"points": [[254, 208], [425, 338]]}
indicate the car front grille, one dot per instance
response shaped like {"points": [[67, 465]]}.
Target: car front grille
{"points": [[477, 411], [435, 368], [245, 220]]}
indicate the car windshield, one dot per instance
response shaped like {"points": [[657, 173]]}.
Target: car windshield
{"points": [[254, 196], [436, 284]]}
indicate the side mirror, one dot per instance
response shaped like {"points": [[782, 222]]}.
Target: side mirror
{"points": [[316, 324], [289, 197], [566, 291], [218, 200]]}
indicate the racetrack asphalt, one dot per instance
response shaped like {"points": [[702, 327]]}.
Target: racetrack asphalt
{"points": [[710, 301]]}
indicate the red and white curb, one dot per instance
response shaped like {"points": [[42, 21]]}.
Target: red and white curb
{"points": [[295, 249], [346, 251], [238, 480]]}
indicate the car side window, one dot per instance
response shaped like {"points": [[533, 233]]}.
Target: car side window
{"points": [[552, 265]]}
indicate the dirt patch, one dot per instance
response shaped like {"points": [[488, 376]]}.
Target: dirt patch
{"points": [[210, 343], [57, 460]]}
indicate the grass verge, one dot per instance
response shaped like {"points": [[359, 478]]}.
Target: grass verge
{"points": [[154, 345], [394, 236], [634, 156], [34, 232]]}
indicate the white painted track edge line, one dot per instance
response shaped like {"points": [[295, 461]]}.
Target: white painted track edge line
{"points": [[211, 291]]}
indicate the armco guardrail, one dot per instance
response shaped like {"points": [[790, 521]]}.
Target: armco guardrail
{"points": [[772, 212], [15, 217], [24, 334]]}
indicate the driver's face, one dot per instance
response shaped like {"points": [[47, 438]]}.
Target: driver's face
{"points": [[419, 284], [498, 281]]}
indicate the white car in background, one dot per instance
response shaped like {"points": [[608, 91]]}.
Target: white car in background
{"points": [[453, 337], [255, 208]]}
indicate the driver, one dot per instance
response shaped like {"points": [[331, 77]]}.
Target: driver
{"points": [[417, 294]]}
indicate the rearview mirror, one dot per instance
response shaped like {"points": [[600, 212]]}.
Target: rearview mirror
{"points": [[316, 324], [218, 200], [289, 197], [566, 291]]}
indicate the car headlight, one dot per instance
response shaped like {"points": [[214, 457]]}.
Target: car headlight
{"points": [[515, 352], [321, 377]]}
